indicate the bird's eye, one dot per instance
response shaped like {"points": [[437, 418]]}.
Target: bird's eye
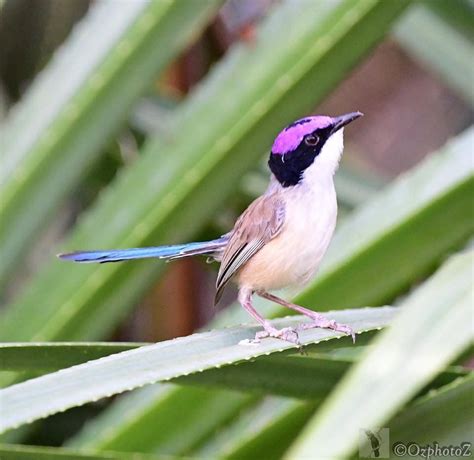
{"points": [[311, 140]]}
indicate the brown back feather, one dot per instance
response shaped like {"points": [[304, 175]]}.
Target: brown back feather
{"points": [[257, 225]]}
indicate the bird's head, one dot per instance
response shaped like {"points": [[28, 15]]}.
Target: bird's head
{"points": [[315, 142]]}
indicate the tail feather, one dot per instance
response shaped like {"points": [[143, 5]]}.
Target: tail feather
{"points": [[161, 252]]}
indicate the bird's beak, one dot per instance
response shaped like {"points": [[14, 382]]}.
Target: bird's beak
{"points": [[343, 120]]}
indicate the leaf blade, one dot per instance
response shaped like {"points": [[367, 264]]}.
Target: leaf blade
{"points": [[58, 129], [20, 452], [28, 401], [439, 47], [439, 415], [372, 380]]}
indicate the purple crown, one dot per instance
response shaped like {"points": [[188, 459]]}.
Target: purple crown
{"points": [[293, 134]]}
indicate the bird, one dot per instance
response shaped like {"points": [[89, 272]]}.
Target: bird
{"points": [[282, 236]]}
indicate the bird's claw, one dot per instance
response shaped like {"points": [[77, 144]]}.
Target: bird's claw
{"points": [[328, 324], [289, 334]]}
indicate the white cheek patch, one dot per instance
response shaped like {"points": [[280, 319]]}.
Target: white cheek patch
{"points": [[331, 152], [327, 162]]}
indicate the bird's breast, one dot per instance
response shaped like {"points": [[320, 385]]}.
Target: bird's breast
{"points": [[293, 257]]}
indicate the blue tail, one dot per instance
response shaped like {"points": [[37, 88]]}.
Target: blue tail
{"points": [[161, 252]]}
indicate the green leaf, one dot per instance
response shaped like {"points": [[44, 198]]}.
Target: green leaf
{"points": [[228, 124], [149, 417], [440, 416], [77, 103], [441, 48], [295, 373], [355, 188], [284, 374], [289, 376], [265, 430], [41, 357], [37, 398], [17, 452], [433, 327], [44, 357], [271, 425], [459, 14], [153, 115]]}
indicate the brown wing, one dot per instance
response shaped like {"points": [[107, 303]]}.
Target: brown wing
{"points": [[259, 223]]}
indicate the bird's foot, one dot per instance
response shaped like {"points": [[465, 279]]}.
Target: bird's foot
{"points": [[321, 322], [287, 333], [317, 320]]}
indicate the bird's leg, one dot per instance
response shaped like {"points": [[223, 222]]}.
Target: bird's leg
{"points": [[318, 320], [289, 334]]}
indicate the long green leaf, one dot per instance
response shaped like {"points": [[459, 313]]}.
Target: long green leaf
{"points": [[228, 123], [37, 398], [442, 416], [81, 98], [458, 14], [40, 357], [17, 452], [148, 417], [287, 375], [433, 327], [296, 377], [396, 230], [440, 48], [438, 418], [263, 431], [52, 356], [271, 425]]}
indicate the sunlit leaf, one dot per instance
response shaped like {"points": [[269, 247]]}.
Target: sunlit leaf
{"points": [[433, 327], [75, 105], [52, 393]]}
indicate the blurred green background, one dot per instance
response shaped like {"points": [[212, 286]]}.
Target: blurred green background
{"points": [[129, 123]]}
